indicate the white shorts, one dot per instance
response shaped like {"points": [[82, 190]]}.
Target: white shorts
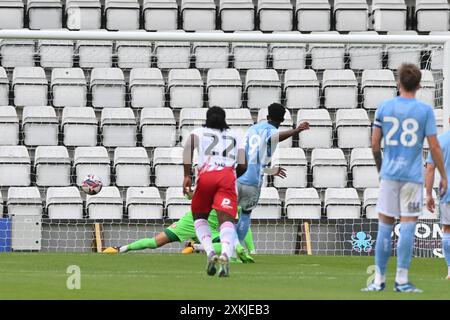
{"points": [[444, 212], [400, 199]]}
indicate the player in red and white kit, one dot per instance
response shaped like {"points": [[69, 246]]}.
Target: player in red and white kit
{"points": [[221, 157]]}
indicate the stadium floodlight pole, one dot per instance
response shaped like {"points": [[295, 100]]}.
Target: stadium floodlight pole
{"points": [[446, 88]]}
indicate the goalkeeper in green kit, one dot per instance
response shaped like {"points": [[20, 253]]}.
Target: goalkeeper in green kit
{"points": [[183, 230]]}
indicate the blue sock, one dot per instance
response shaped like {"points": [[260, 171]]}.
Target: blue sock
{"points": [[446, 247], [405, 244], [383, 248], [243, 225]]}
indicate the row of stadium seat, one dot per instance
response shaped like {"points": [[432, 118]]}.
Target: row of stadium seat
{"points": [[52, 166], [191, 15], [185, 88], [119, 127], [146, 203], [203, 55]]}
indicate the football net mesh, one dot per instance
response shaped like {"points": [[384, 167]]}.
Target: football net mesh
{"points": [[157, 92]]}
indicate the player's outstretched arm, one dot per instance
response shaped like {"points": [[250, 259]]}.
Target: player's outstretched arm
{"points": [[438, 160], [376, 147], [429, 182], [283, 135]]}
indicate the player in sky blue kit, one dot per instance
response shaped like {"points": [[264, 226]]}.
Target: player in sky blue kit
{"points": [[260, 143], [444, 207], [404, 122]]}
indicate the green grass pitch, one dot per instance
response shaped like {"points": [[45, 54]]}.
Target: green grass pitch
{"points": [[177, 276]]}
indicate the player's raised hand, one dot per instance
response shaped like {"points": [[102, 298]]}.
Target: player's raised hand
{"points": [[187, 185], [430, 204], [279, 172], [302, 126]]}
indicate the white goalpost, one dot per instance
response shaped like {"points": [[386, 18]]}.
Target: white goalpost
{"points": [[118, 105]]}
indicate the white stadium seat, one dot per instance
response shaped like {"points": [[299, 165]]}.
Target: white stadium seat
{"points": [[389, 15], [52, 166], [263, 87], [11, 14], [327, 56], [94, 53], [377, 86], [17, 53], [370, 203], [398, 54], [211, 54], [15, 166], [249, 55], [285, 125], [108, 88], [353, 128], [134, 54], [171, 55], [158, 127], [320, 133], [198, 15], [9, 126], [44, 14], [288, 55], [64, 203], [437, 52], [79, 126], [56, 53], [24, 201], [160, 15], [147, 88], [144, 203], [313, 15], [303, 204], [92, 160], [363, 168], [428, 86], [185, 88], [329, 168], [239, 120], [119, 127], [237, 15], [190, 118], [176, 203], [302, 89], [40, 126], [68, 87], [132, 167], [294, 161], [432, 15], [168, 166], [365, 56], [269, 205], [340, 89], [30, 86], [342, 203], [122, 14], [107, 204], [275, 15], [4, 88], [351, 15], [224, 88], [83, 14]]}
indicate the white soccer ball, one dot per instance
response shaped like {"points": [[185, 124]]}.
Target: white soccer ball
{"points": [[91, 184]]}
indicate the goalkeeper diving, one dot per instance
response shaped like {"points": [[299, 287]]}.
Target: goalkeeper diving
{"points": [[183, 230]]}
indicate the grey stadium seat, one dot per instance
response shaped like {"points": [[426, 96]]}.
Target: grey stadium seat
{"points": [[237, 15], [122, 14], [83, 14], [44, 14], [313, 15], [160, 15]]}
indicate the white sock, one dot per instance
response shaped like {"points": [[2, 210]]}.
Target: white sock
{"points": [[123, 249], [203, 233], [228, 238], [379, 278], [402, 276], [198, 247]]}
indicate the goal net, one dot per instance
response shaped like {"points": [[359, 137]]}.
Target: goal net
{"points": [[121, 109]]}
